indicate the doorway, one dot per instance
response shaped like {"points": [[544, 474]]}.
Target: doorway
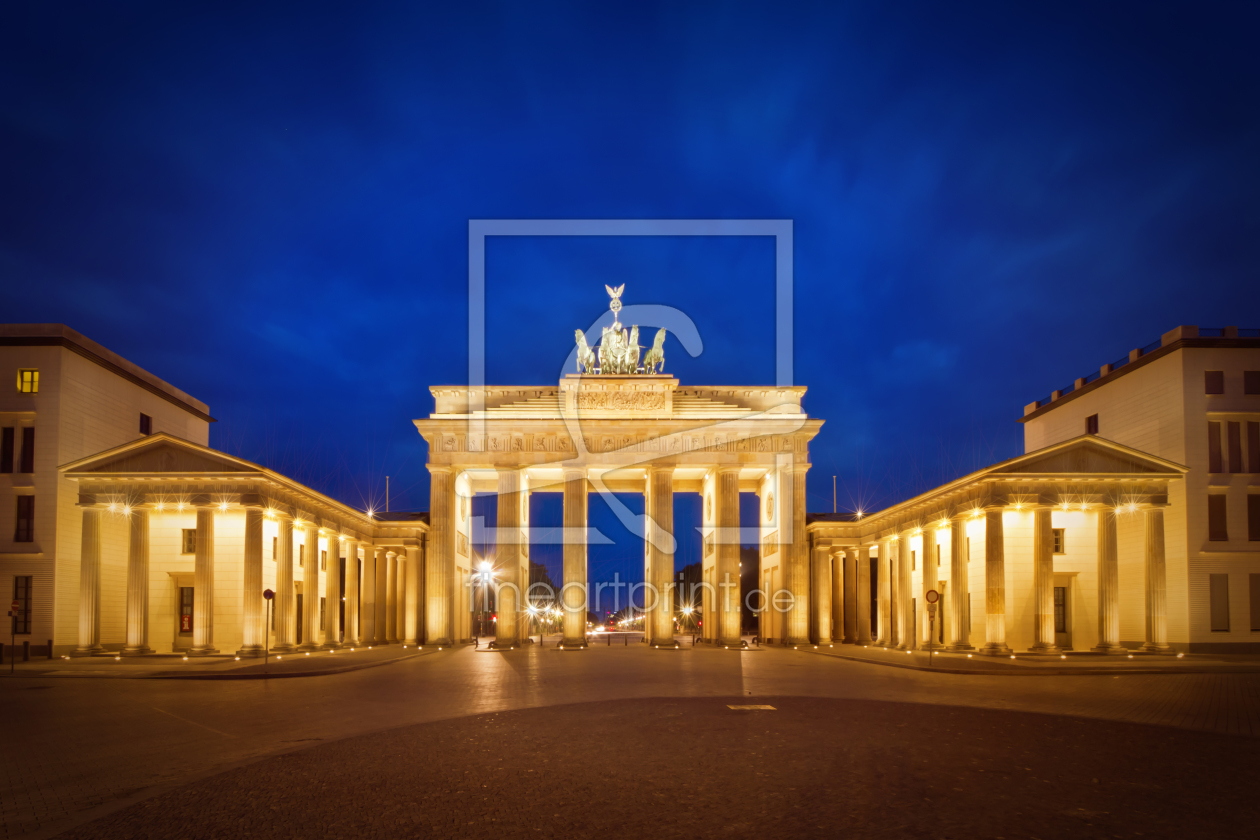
{"points": [[1062, 619]]}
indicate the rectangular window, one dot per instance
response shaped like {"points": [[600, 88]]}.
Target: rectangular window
{"points": [[301, 555], [189, 545], [1253, 446], [968, 549], [22, 595], [1219, 586], [1091, 424], [275, 541], [28, 381], [1251, 381], [1058, 540], [25, 530], [1234, 431], [323, 561], [1214, 447], [146, 424], [6, 450], [322, 601], [1218, 531], [28, 449], [913, 564], [186, 609], [1254, 580], [1214, 382], [1060, 609], [938, 554], [1253, 517]]}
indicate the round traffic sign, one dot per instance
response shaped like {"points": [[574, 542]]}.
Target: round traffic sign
{"points": [[268, 594], [17, 605], [932, 596]]}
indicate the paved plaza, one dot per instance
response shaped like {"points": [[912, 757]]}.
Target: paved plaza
{"points": [[539, 742]]}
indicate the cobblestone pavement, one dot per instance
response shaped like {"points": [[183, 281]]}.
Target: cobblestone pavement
{"points": [[77, 749], [690, 767]]}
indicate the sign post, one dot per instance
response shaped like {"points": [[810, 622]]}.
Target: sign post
{"points": [[932, 596], [270, 596]]}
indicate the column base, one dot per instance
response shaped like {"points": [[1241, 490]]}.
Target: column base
{"points": [[406, 643], [93, 650], [862, 641], [338, 645], [665, 644], [959, 646], [434, 642], [1151, 647], [1044, 648], [202, 651], [281, 649], [307, 647], [136, 651], [251, 652], [882, 643], [995, 650], [574, 644], [1110, 648]]}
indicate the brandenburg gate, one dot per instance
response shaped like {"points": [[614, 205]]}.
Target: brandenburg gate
{"points": [[620, 425]]}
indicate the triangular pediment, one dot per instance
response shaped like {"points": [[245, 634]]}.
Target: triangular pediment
{"points": [[1090, 455], [161, 453]]}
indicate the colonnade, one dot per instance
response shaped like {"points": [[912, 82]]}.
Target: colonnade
{"points": [[382, 601], [845, 615]]}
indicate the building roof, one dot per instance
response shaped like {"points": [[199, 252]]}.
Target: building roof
{"points": [[59, 335]]}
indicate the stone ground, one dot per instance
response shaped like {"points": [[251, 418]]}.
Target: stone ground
{"points": [[583, 743]]}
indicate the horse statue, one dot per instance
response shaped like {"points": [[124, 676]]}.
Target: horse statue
{"points": [[585, 355], [630, 361], [655, 357]]}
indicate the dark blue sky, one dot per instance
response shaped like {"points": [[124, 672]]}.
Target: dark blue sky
{"points": [[268, 206]]}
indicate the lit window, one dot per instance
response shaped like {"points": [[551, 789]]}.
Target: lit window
{"points": [[323, 561], [28, 381], [1058, 540], [190, 541]]}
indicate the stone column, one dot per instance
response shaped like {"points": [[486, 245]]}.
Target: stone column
{"points": [[415, 597], [660, 509], [332, 594], [1156, 584], [929, 560], [821, 629], [285, 604], [850, 596], [884, 587], [381, 623], [350, 635], [90, 585], [367, 597], [439, 564], [994, 584], [959, 593], [254, 605], [203, 585], [1043, 582], [797, 558], [138, 584], [907, 635], [726, 536], [573, 590], [310, 587], [393, 602], [1108, 585], [509, 594], [862, 590], [836, 588], [894, 591]]}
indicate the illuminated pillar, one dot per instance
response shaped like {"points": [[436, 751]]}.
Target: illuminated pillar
{"points": [[367, 597], [350, 635], [1156, 584], [508, 592], [929, 555], [332, 593], [573, 591], [1108, 585], [310, 587], [660, 549], [959, 594], [884, 595], [797, 555], [850, 596], [1043, 582], [821, 629], [286, 598], [862, 601], [439, 564], [392, 602], [138, 584], [994, 584], [836, 588], [726, 506], [415, 596], [907, 636], [254, 607], [380, 624], [203, 585], [90, 585]]}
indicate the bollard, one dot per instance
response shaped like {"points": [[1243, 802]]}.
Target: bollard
{"points": [[26, 651], [625, 641]]}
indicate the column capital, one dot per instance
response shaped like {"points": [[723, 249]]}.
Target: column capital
{"points": [[441, 469]]}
